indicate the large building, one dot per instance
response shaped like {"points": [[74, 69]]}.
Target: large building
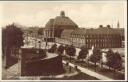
{"points": [[63, 30], [54, 27], [102, 37]]}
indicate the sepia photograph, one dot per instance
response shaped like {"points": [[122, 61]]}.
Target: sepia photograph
{"points": [[64, 40]]}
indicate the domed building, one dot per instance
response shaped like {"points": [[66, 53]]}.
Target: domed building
{"points": [[67, 32], [54, 27]]}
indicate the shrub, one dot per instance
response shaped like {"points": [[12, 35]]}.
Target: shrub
{"points": [[83, 53], [114, 60], [71, 50], [96, 56], [60, 49], [53, 48]]}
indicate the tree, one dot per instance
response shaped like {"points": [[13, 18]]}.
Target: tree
{"points": [[112, 57], [96, 56], [12, 40], [66, 48], [71, 50], [12, 36], [53, 48], [83, 53], [109, 56], [60, 49], [118, 59]]}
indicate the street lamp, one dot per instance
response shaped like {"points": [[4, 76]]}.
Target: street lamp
{"points": [[39, 44]]}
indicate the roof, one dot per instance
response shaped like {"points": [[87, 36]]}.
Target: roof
{"points": [[103, 30], [61, 22], [49, 23]]}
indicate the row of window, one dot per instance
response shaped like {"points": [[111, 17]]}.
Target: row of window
{"points": [[96, 36], [98, 45], [89, 45], [95, 40]]}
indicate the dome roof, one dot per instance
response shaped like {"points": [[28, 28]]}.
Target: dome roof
{"points": [[61, 22], [49, 23]]}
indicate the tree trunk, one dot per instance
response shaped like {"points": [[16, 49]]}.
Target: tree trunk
{"points": [[88, 62], [114, 72], [95, 66], [70, 58], [69, 65], [101, 65], [69, 68]]}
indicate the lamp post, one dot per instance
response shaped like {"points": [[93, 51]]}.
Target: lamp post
{"points": [[39, 44], [35, 40], [54, 32]]}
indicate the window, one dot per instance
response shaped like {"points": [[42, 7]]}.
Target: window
{"points": [[87, 36]]}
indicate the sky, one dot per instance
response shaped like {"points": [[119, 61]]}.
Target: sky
{"points": [[83, 13]]}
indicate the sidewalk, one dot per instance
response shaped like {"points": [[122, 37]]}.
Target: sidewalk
{"points": [[108, 74], [89, 72], [11, 73]]}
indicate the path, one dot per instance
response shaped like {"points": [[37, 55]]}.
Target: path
{"points": [[90, 72]]}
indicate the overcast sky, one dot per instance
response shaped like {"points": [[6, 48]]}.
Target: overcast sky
{"points": [[84, 14]]}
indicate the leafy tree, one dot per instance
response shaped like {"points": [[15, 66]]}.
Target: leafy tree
{"points": [[60, 49], [114, 60], [83, 53], [53, 48], [96, 56], [109, 56], [71, 50], [118, 59], [12, 40], [12, 36], [66, 48]]}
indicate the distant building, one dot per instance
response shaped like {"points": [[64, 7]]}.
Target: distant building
{"points": [[63, 30], [31, 32], [102, 37], [54, 27]]}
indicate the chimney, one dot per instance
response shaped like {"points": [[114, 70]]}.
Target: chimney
{"points": [[108, 26], [101, 26], [62, 14]]}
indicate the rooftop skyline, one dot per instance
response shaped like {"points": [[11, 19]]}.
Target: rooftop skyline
{"points": [[83, 13]]}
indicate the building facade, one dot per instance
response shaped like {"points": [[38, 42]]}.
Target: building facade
{"points": [[54, 27], [102, 37], [63, 30]]}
